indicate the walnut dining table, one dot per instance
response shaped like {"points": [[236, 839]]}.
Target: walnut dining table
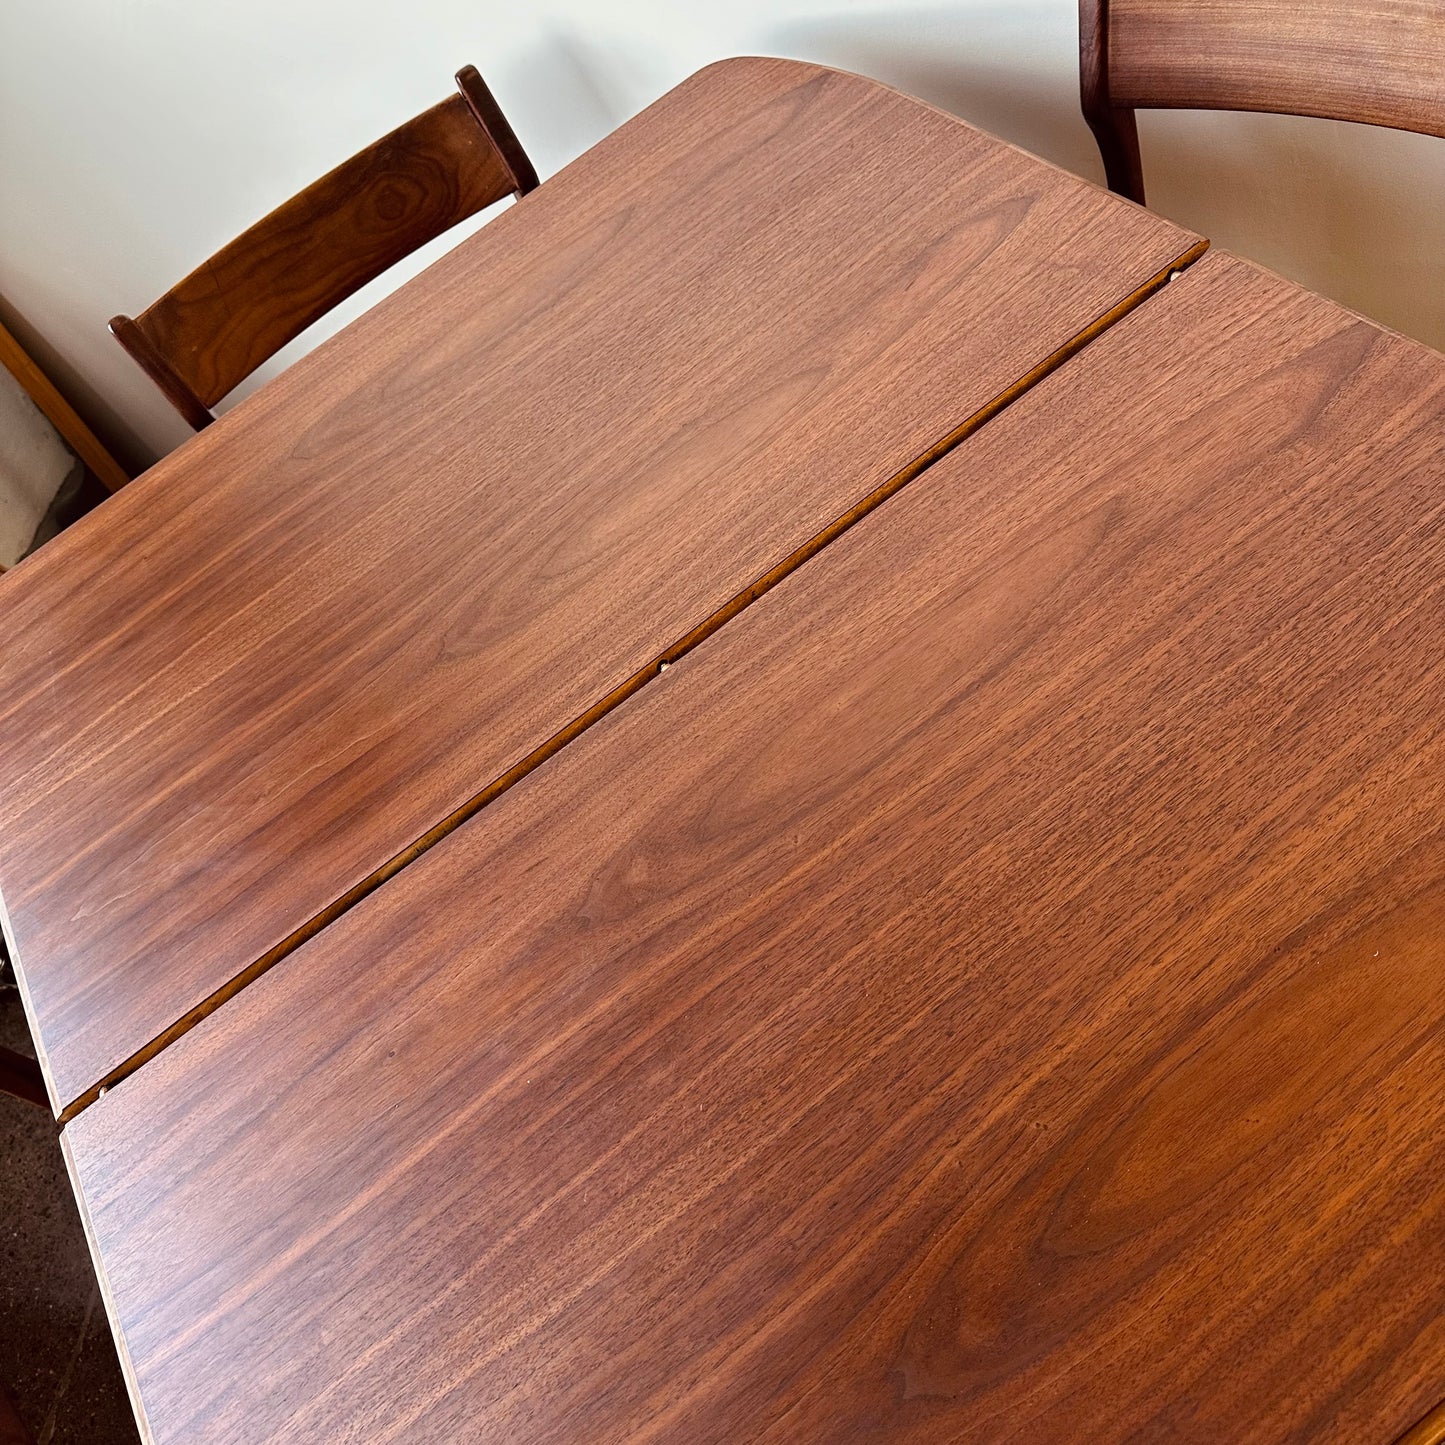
{"points": [[797, 797]]}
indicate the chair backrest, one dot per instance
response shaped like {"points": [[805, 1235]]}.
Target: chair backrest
{"points": [[213, 329], [1376, 61]]}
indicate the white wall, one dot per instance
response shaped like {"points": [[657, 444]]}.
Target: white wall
{"points": [[137, 136]]}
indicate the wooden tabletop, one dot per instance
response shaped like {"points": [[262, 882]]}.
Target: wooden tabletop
{"points": [[389, 582], [989, 991]]}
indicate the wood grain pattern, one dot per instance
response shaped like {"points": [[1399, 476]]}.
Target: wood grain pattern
{"points": [[989, 992], [214, 328], [1377, 61], [383, 581]]}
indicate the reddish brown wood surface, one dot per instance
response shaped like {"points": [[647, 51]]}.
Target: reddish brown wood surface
{"points": [[212, 329], [374, 587], [989, 992]]}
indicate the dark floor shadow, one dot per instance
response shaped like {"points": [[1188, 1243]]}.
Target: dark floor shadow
{"points": [[56, 1353]]}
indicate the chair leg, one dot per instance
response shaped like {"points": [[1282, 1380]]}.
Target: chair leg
{"points": [[21, 1077], [1117, 133], [1114, 126]]}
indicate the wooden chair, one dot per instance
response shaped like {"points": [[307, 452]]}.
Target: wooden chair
{"points": [[212, 330], [1376, 61]]}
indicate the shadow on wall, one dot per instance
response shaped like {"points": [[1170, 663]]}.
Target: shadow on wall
{"points": [[1347, 210], [957, 60], [600, 86]]}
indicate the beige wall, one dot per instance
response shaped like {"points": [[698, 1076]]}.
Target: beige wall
{"points": [[136, 136]]}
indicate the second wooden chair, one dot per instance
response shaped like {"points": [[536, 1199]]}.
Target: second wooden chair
{"points": [[1376, 61]]}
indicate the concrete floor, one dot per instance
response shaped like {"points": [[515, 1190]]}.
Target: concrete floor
{"points": [[56, 1353]]}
